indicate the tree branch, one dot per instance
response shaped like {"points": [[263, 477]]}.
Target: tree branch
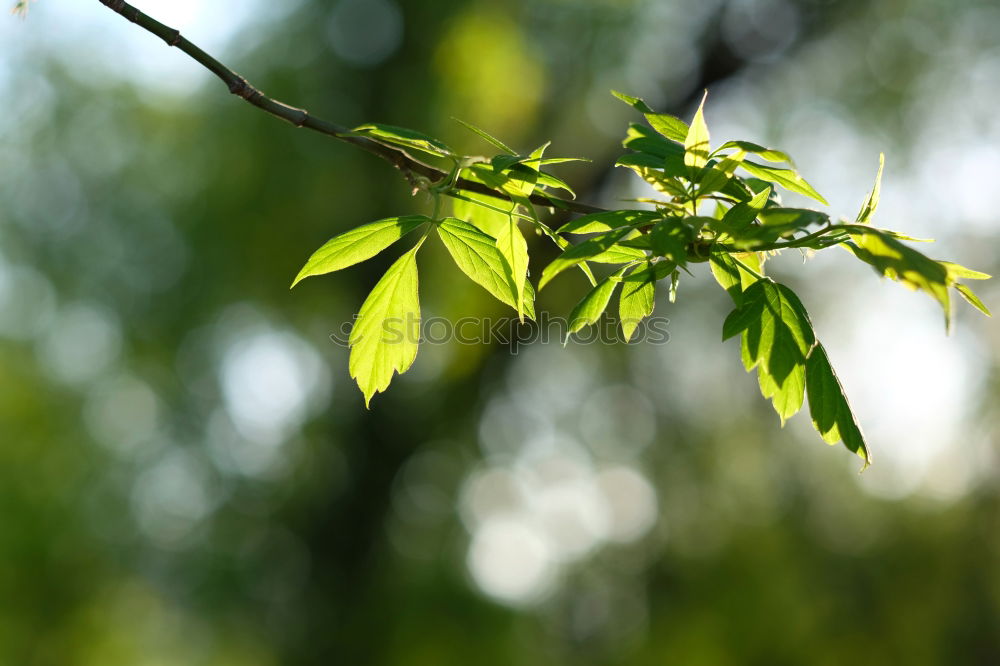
{"points": [[239, 86]]}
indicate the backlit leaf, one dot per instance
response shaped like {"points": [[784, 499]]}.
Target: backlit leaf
{"points": [[637, 298], [608, 220], [591, 247], [590, 308], [387, 331], [669, 126], [776, 338], [831, 413], [787, 178], [769, 154], [358, 244], [486, 136], [405, 138], [871, 203], [696, 142], [477, 255]]}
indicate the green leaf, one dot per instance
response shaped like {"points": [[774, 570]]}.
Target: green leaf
{"points": [[482, 211], [776, 338], [787, 178], [892, 259], [405, 138], [643, 160], [608, 220], [477, 256], [546, 179], [769, 154], [620, 253], [514, 249], [776, 223], [562, 160], [520, 182], [696, 142], [637, 297], [714, 178], [669, 238], [487, 137], [831, 413], [661, 182], [387, 331], [669, 126], [972, 299], [634, 102], [740, 216], [955, 271], [871, 203], [645, 140], [573, 255], [358, 244], [730, 271], [503, 162], [590, 308]]}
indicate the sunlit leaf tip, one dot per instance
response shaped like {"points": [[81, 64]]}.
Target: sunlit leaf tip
{"points": [[486, 136], [696, 143], [871, 202], [635, 102]]}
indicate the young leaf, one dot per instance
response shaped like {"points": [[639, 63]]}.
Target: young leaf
{"points": [[714, 178], [972, 299], [484, 212], [620, 253], [546, 179], [661, 182], [477, 256], [387, 331], [405, 138], [769, 154], [590, 308], [730, 273], [787, 178], [637, 297], [358, 244], [608, 220], [696, 142], [514, 250], [955, 271], [831, 413], [589, 248], [669, 126], [899, 262], [644, 140], [485, 136], [740, 216], [777, 337], [634, 102], [871, 203], [669, 238]]}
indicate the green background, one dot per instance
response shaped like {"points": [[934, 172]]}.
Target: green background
{"points": [[188, 475]]}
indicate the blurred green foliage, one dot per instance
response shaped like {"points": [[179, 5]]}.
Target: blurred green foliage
{"points": [[186, 477]]}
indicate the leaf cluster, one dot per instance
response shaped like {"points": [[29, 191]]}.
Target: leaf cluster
{"points": [[718, 205]]}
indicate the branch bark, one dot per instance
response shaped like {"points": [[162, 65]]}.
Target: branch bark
{"points": [[408, 165]]}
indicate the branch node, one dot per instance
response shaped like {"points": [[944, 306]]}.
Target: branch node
{"points": [[301, 119], [175, 38], [241, 88]]}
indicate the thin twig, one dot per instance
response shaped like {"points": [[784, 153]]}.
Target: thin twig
{"points": [[239, 86]]}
